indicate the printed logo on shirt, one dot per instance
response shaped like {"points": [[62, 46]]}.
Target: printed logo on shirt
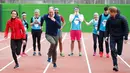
{"points": [[76, 21], [96, 27], [104, 22]]}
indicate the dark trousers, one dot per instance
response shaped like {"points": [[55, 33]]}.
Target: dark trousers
{"points": [[95, 39], [101, 40], [114, 51], [36, 36], [16, 48], [24, 46], [53, 40]]}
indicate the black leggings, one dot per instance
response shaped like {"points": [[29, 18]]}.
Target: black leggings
{"points": [[101, 40], [95, 38], [16, 48], [36, 34], [24, 46]]}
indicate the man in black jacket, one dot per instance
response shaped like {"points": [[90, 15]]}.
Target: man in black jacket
{"points": [[52, 25], [117, 29]]}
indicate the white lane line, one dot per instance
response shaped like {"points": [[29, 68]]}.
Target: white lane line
{"points": [[87, 60], [57, 49], [18, 58], [4, 39], [124, 61], [4, 48], [9, 46]]}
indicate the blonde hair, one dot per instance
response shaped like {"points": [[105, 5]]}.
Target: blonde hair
{"points": [[96, 14], [37, 10]]}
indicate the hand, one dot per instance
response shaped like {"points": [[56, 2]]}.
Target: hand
{"points": [[79, 19], [5, 37], [39, 23], [24, 42], [61, 28], [106, 39], [125, 41], [53, 19], [98, 32]]}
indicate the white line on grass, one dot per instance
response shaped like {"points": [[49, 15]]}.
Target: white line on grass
{"points": [[18, 58], [57, 49], [84, 47]]}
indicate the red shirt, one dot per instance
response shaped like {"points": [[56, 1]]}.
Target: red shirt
{"points": [[16, 27]]}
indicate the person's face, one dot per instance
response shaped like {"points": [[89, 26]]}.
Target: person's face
{"points": [[13, 14], [51, 13], [36, 14], [106, 12], [24, 16], [56, 11], [112, 14], [76, 10], [95, 17]]}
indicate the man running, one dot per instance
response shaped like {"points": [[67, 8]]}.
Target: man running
{"points": [[52, 25]]}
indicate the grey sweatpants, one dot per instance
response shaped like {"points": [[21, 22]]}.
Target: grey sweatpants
{"points": [[53, 40]]}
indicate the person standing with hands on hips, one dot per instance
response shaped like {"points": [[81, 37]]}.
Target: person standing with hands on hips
{"points": [[53, 23], [60, 32]]}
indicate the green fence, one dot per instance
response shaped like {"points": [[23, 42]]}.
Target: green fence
{"points": [[65, 11], [0, 17]]}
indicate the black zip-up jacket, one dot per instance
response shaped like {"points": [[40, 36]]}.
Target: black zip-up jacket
{"points": [[117, 27], [52, 26]]}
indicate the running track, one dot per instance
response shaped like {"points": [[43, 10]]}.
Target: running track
{"points": [[75, 64]]}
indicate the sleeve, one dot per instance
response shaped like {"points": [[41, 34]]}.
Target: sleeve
{"points": [[81, 18], [22, 29], [6, 29], [26, 24], [90, 22], [125, 28], [107, 28], [58, 22], [62, 19], [31, 21], [99, 21], [71, 17], [42, 20]]}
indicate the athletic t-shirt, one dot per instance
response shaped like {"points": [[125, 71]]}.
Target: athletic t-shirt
{"points": [[76, 21], [103, 22], [95, 25]]}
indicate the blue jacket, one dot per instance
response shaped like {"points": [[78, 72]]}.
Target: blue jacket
{"points": [[51, 26]]}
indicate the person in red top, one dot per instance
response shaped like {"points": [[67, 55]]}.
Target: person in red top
{"points": [[17, 35], [60, 31]]}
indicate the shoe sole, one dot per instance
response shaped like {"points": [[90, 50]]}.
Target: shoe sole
{"points": [[115, 69]]}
